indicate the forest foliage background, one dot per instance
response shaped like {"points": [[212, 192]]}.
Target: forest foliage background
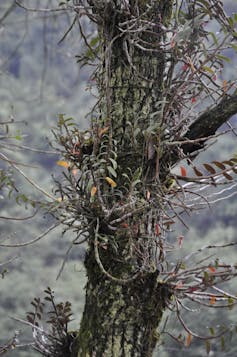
{"points": [[39, 79]]}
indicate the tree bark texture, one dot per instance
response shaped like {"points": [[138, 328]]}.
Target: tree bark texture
{"points": [[209, 122], [122, 314], [120, 320]]}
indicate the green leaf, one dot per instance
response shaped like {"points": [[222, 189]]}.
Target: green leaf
{"points": [[126, 176], [208, 346], [206, 277], [61, 119], [214, 38], [90, 55], [10, 193], [94, 41], [102, 161], [22, 198], [224, 58], [230, 303], [112, 171], [138, 130], [136, 182], [212, 331], [114, 163], [234, 47], [18, 137], [217, 263], [137, 174], [231, 22], [208, 69], [222, 343]]}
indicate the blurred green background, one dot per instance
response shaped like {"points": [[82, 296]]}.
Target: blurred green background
{"points": [[39, 79]]}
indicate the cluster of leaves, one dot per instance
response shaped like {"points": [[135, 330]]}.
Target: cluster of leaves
{"points": [[53, 339], [7, 181], [96, 195], [218, 339], [195, 73], [225, 168], [9, 345], [214, 172], [92, 170]]}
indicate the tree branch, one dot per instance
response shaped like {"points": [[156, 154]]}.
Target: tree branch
{"points": [[208, 123]]}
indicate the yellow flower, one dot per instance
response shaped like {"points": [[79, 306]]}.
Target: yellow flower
{"points": [[111, 182], [93, 191]]}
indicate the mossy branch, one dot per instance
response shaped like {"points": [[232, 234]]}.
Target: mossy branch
{"points": [[209, 122]]}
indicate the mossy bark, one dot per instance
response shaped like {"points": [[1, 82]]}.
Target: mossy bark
{"points": [[122, 319]]}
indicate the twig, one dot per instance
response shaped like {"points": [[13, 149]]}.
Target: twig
{"points": [[31, 241], [8, 261], [69, 29], [98, 260], [215, 246], [67, 254], [63, 8], [20, 219], [34, 184]]}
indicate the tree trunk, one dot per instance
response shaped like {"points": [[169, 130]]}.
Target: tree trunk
{"points": [[124, 297], [120, 320]]}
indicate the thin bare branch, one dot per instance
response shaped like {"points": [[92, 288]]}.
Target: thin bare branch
{"points": [[38, 238]]}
